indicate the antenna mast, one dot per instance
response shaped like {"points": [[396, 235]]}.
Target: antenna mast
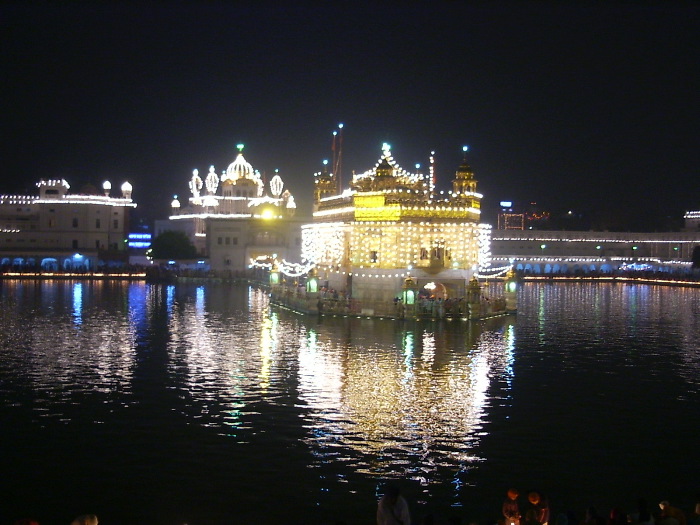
{"points": [[338, 157], [432, 174]]}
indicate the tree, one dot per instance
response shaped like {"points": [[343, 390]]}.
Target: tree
{"points": [[173, 245]]}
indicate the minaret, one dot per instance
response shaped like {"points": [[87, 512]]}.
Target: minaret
{"points": [[325, 184], [433, 180], [337, 167], [464, 183]]}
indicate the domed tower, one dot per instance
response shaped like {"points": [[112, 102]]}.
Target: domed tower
{"points": [[324, 184], [239, 183], [464, 185], [240, 180], [384, 175]]}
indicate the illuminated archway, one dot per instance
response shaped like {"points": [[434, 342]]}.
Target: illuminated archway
{"points": [[49, 264]]}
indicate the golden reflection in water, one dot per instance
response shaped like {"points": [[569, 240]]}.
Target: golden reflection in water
{"points": [[320, 376], [268, 343], [428, 355], [414, 409]]}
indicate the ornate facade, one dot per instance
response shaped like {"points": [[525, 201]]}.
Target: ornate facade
{"points": [[390, 223], [235, 218]]}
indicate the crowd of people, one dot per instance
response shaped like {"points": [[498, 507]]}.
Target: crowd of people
{"points": [[538, 513], [392, 509]]}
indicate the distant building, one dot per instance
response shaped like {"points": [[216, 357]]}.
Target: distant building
{"points": [[139, 243], [63, 231], [511, 221], [236, 219], [692, 221], [512, 217], [541, 252]]}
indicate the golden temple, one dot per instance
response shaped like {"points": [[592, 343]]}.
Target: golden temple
{"points": [[390, 224]]}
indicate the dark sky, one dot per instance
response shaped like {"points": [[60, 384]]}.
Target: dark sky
{"points": [[589, 106]]}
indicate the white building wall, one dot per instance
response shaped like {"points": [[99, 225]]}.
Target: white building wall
{"points": [[58, 224]]}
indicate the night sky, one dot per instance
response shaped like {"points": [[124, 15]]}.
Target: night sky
{"points": [[590, 107]]}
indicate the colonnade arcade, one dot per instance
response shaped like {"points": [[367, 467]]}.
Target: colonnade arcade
{"points": [[70, 263]]}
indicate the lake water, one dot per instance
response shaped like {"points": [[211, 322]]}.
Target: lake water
{"points": [[201, 404]]}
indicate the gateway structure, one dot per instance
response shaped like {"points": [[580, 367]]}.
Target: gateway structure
{"points": [[236, 218], [390, 230]]}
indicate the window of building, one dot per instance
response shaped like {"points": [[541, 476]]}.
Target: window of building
{"points": [[116, 224], [97, 244], [75, 222], [228, 241], [235, 240], [373, 257], [52, 223], [75, 244], [220, 241], [97, 223]]}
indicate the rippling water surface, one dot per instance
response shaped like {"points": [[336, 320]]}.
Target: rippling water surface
{"points": [[204, 405]]}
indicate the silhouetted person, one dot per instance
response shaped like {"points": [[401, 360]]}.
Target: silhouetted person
{"points": [[541, 507], [392, 508], [511, 509]]}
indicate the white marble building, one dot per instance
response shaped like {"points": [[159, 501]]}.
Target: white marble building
{"points": [[236, 218], [58, 230]]}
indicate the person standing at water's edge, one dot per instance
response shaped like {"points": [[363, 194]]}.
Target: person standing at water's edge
{"points": [[392, 508], [540, 506], [511, 510]]}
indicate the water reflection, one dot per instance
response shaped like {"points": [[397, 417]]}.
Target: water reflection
{"points": [[78, 303], [339, 404], [405, 412], [71, 350]]}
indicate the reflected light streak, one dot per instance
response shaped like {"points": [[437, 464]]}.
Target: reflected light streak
{"points": [[199, 301], [509, 355], [78, 303], [428, 348], [170, 297], [268, 343], [320, 379], [412, 412]]}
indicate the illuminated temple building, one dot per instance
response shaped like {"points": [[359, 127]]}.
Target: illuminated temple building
{"points": [[389, 225], [236, 217]]}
